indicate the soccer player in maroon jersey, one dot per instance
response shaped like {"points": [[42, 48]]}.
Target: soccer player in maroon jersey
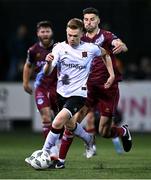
{"points": [[105, 99], [107, 102], [45, 86]]}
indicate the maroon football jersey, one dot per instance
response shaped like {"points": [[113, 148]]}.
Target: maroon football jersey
{"points": [[36, 56], [99, 73]]}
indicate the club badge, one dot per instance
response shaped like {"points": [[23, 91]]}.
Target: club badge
{"points": [[84, 54]]}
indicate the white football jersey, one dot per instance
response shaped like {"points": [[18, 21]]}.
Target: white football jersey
{"points": [[73, 67]]}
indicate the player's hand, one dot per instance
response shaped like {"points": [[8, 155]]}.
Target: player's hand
{"points": [[119, 47], [109, 82], [49, 57], [28, 89]]}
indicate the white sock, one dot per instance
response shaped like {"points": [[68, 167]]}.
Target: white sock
{"points": [[50, 141], [79, 131], [55, 149], [61, 160]]}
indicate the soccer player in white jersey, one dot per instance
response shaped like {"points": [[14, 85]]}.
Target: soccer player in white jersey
{"points": [[73, 59]]}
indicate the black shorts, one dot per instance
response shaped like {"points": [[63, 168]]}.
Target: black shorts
{"points": [[73, 103]]}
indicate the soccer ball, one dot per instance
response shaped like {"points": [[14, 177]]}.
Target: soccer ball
{"points": [[40, 159]]}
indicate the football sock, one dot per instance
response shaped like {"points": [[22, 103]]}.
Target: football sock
{"points": [[46, 128], [66, 142], [51, 139], [117, 131], [117, 145], [55, 149], [61, 160], [79, 131]]}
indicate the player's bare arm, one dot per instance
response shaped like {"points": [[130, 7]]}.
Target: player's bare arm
{"points": [[48, 67], [108, 62], [119, 46], [27, 71]]}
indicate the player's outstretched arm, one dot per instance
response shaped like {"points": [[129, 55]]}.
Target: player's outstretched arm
{"points": [[48, 66], [109, 66]]}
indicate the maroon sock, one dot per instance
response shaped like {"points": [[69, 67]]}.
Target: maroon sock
{"points": [[116, 131], [46, 128], [66, 142]]}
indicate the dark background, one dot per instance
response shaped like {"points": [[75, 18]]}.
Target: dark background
{"points": [[130, 20]]}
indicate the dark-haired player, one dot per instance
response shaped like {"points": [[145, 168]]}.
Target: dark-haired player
{"points": [[45, 86]]}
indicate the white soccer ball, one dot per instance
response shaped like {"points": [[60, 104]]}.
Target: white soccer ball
{"points": [[40, 159]]}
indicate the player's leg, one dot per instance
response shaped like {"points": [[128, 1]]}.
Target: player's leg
{"points": [[90, 128], [105, 126], [78, 131], [68, 135], [53, 99], [90, 122], [108, 107], [108, 131], [91, 102], [117, 119], [47, 116], [62, 117], [68, 138], [43, 105]]}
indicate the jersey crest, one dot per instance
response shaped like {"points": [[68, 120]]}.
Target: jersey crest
{"points": [[84, 54], [38, 56]]}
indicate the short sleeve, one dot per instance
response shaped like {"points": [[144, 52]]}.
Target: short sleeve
{"points": [[30, 56], [97, 50], [55, 52], [109, 36]]}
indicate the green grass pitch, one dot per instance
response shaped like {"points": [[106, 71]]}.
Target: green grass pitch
{"points": [[15, 146]]}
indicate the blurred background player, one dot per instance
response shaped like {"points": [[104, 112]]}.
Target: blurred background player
{"points": [[107, 99], [45, 86]]}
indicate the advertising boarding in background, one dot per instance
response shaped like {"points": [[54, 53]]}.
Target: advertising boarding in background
{"points": [[135, 104]]}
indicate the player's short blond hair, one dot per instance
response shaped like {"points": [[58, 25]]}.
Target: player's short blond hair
{"points": [[75, 23]]}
